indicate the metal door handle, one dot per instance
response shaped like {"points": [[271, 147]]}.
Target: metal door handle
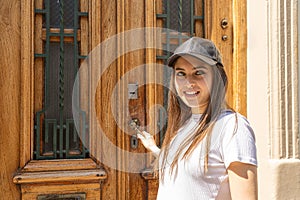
{"points": [[134, 124]]}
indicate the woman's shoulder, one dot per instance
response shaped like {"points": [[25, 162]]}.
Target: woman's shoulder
{"points": [[230, 119], [233, 116]]}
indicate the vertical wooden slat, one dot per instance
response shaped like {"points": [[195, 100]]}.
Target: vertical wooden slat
{"points": [[239, 70], [39, 69], [26, 122], [107, 84], [154, 92], [122, 142], [137, 107], [84, 29], [94, 103], [38, 74], [85, 48], [151, 77]]}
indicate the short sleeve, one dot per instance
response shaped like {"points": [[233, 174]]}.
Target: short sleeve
{"points": [[238, 142]]}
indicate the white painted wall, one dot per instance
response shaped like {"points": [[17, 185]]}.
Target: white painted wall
{"points": [[257, 95], [277, 178]]}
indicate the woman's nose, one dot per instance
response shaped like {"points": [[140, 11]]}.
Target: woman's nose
{"points": [[189, 83]]}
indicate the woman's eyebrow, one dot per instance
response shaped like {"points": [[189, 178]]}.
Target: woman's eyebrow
{"points": [[178, 68], [200, 67], [194, 68]]}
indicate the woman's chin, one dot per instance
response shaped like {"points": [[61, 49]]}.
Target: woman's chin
{"points": [[192, 105]]}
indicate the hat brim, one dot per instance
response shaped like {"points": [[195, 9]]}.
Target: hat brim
{"points": [[171, 60]]}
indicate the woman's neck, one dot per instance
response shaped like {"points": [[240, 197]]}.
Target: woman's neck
{"points": [[197, 110]]}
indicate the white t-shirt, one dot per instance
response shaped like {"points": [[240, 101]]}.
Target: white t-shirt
{"points": [[226, 146]]}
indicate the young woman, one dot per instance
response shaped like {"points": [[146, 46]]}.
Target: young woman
{"points": [[209, 150]]}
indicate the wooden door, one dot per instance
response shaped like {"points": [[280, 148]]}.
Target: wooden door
{"points": [[223, 22], [120, 167]]}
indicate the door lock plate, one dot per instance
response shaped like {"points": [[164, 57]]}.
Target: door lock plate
{"points": [[133, 91]]}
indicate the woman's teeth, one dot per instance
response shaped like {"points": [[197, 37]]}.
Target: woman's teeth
{"points": [[191, 92]]}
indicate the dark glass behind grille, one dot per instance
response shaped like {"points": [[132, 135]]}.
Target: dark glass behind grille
{"points": [[55, 134], [174, 14], [68, 13]]}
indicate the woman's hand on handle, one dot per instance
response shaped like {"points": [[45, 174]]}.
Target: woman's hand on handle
{"points": [[148, 142]]}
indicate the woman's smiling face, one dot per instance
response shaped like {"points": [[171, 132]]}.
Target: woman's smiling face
{"points": [[193, 82]]}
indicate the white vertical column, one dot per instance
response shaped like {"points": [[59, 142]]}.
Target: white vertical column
{"points": [[273, 95]]}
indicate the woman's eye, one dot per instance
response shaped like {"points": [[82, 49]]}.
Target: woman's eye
{"points": [[180, 74], [200, 72]]}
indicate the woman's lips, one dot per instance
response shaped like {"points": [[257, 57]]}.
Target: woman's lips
{"points": [[191, 94]]}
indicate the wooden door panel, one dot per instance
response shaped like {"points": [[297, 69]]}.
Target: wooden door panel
{"points": [[117, 17]]}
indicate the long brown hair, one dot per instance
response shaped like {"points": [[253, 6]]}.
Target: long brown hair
{"points": [[179, 113]]}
